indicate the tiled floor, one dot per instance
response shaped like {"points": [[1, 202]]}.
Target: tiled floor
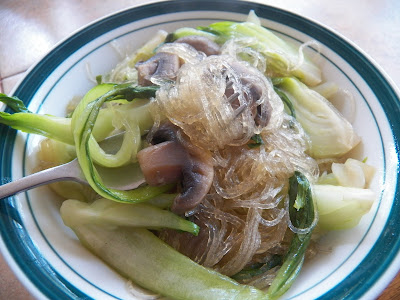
{"points": [[29, 29]]}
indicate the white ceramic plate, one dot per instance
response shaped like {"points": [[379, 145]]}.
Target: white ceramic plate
{"points": [[48, 258]]}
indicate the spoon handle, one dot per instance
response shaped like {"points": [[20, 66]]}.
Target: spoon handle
{"points": [[68, 171]]}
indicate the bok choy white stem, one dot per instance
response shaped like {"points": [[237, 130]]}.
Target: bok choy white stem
{"points": [[104, 212], [149, 262]]}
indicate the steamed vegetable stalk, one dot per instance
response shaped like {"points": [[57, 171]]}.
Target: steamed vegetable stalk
{"points": [[59, 128], [24, 120], [131, 141], [343, 196], [341, 207], [81, 126], [103, 212], [330, 133], [152, 264], [49, 126]]}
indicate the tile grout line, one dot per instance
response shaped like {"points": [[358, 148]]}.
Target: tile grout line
{"points": [[9, 82], [12, 75]]}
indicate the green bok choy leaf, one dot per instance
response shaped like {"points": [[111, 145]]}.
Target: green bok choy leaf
{"points": [[83, 121], [302, 216]]}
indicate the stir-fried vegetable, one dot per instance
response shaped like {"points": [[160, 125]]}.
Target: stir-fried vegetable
{"points": [[288, 104], [330, 133], [259, 268], [14, 103], [282, 58], [149, 262], [188, 31], [83, 121], [353, 173], [58, 128], [341, 207], [49, 126], [110, 213], [343, 196]]}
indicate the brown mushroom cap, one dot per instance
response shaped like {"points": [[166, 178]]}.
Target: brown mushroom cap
{"points": [[170, 159], [162, 65], [162, 163], [197, 177], [165, 65], [201, 43], [261, 114]]}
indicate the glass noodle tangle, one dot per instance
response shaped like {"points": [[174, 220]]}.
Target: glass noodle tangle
{"points": [[243, 218]]}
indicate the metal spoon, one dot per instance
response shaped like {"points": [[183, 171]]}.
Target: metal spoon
{"points": [[122, 178]]}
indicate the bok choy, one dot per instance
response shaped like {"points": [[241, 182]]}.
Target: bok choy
{"points": [[104, 212], [149, 262], [343, 196], [283, 59], [330, 133], [341, 207], [83, 121]]}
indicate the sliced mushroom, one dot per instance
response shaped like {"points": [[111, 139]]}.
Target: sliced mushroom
{"points": [[197, 178], [200, 43], [188, 164], [162, 65], [261, 114], [166, 131], [162, 163]]}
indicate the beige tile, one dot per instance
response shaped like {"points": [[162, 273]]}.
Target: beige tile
{"points": [[29, 29], [25, 38]]}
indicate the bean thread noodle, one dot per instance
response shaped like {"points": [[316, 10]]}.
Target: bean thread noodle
{"points": [[301, 58], [244, 217]]}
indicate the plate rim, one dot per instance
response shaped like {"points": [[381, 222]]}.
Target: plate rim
{"points": [[206, 4]]}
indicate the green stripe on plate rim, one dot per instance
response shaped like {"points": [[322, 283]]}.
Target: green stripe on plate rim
{"points": [[13, 231]]}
